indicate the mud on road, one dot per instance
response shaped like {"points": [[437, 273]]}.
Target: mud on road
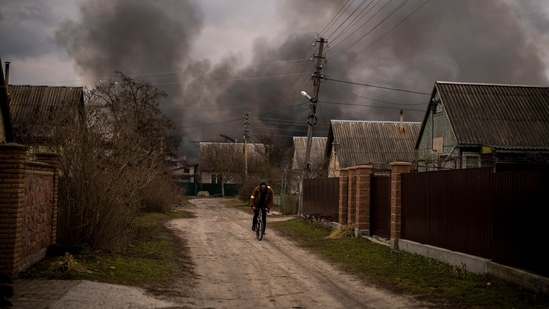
{"points": [[235, 270]]}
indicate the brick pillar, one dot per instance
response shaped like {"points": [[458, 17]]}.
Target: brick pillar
{"points": [[343, 193], [363, 191], [52, 159], [351, 196], [397, 168], [12, 194]]}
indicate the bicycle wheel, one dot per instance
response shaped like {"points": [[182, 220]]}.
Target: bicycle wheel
{"points": [[259, 229]]}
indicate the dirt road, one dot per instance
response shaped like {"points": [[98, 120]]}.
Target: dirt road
{"points": [[235, 270]]}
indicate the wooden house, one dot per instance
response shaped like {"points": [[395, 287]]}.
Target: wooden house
{"points": [[470, 125]]}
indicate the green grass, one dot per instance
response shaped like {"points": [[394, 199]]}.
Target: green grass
{"points": [[412, 274], [157, 257]]}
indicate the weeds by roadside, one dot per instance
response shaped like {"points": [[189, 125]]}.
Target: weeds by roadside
{"points": [[156, 259]]}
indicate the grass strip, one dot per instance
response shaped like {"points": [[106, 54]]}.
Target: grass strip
{"points": [[403, 272]]}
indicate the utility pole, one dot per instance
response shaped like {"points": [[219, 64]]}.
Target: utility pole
{"points": [[246, 115], [312, 119]]}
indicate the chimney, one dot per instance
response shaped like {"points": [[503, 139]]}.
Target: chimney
{"points": [[401, 126]]}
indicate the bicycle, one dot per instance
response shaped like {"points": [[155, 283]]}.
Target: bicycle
{"points": [[259, 230]]}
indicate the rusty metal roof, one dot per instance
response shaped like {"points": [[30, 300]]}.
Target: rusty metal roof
{"points": [[316, 156], [33, 108], [499, 116], [375, 143]]}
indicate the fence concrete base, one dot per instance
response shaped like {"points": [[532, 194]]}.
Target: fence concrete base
{"points": [[479, 265], [471, 263], [523, 278]]}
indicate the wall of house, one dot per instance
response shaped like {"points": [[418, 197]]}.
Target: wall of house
{"points": [[437, 139], [28, 207], [206, 178], [333, 165]]}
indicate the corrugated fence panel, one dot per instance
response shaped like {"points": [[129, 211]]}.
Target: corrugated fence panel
{"points": [[448, 209], [321, 197], [499, 216], [415, 207], [520, 220]]}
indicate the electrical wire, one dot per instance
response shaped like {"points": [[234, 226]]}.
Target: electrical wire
{"points": [[375, 86]]}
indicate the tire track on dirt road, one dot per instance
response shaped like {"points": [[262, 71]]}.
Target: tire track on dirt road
{"points": [[237, 271]]}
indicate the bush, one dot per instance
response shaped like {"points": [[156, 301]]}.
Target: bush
{"points": [[247, 188], [160, 195]]}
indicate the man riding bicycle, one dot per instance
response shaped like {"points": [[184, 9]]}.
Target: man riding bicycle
{"points": [[262, 198]]}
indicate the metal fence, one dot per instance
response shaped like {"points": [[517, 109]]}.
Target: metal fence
{"points": [[321, 197], [498, 216]]}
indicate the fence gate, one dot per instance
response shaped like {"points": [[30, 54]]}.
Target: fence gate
{"points": [[380, 206]]}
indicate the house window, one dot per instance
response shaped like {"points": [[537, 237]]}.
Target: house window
{"points": [[471, 161], [439, 108], [186, 170], [216, 178]]}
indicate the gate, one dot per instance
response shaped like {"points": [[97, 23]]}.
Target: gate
{"points": [[380, 206]]}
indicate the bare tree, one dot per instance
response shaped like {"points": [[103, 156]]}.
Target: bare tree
{"points": [[223, 159], [113, 165]]}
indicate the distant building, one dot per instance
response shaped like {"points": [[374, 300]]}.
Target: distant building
{"points": [[225, 163]]}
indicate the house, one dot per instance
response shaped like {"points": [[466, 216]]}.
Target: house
{"points": [[182, 171], [376, 143], [37, 112], [316, 156], [315, 167], [227, 163], [469, 125]]}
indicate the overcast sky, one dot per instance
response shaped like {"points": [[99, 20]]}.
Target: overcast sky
{"points": [[219, 59]]}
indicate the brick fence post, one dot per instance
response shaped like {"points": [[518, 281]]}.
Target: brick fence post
{"points": [[351, 196], [363, 192], [343, 192], [397, 168], [12, 194], [52, 159]]}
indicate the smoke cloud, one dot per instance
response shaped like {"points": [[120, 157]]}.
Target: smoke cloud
{"points": [[404, 46]]}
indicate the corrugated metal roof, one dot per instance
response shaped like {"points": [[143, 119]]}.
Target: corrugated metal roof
{"points": [[34, 107], [316, 156], [500, 116], [373, 142]]}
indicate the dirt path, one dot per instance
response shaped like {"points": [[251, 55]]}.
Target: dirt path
{"points": [[237, 271]]}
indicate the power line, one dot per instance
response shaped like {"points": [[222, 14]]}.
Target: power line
{"points": [[375, 86], [398, 24], [373, 28]]}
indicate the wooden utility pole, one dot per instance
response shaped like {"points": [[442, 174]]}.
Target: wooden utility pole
{"points": [[246, 115], [312, 119]]}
